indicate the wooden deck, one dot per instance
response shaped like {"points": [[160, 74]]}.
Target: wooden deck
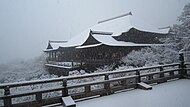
{"points": [[175, 93]]}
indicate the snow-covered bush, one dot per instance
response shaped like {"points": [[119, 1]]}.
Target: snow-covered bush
{"points": [[151, 56]]}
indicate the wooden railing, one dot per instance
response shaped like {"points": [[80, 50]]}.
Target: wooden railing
{"points": [[89, 85]]}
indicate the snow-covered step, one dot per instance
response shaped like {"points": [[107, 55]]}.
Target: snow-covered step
{"points": [[144, 86], [68, 102]]}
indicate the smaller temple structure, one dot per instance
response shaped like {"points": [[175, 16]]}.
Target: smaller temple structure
{"points": [[104, 43]]}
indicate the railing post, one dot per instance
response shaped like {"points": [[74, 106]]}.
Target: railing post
{"points": [[124, 82], [150, 77], [107, 85], [87, 89], [161, 70], [65, 90], [182, 65], [139, 77], [7, 101], [39, 97], [171, 73], [162, 79]]}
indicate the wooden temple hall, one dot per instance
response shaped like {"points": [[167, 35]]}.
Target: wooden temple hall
{"points": [[104, 43]]}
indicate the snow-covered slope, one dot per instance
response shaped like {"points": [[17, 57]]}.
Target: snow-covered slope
{"points": [[23, 70]]}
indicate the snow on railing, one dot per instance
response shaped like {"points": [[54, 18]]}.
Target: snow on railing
{"points": [[49, 91], [88, 85]]}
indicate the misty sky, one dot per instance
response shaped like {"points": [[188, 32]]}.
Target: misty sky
{"points": [[27, 25]]}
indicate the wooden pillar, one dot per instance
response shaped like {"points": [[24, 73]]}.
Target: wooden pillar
{"points": [[51, 55], [55, 56], [72, 64]]}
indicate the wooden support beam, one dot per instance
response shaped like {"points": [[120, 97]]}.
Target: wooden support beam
{"points": [[144, 86], [68, 102]]}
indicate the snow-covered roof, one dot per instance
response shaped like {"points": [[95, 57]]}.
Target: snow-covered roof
{"points": [[114, 27], [56, 45], [165, 29], [124, 24], [57, 66], [109, 40], [88, 46]]}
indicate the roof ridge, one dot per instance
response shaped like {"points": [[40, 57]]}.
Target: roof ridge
{"points": [[116, 17], [101, 32], [50, 41], [165, 27]]}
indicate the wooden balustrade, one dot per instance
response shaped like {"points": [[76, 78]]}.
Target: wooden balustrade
{"points": [[130, 79]]}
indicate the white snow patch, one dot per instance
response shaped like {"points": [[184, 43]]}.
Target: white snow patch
{"points": [[170, 94], [68, 101], [109, 40], [88, 46], [124, 24], [58, 66]]}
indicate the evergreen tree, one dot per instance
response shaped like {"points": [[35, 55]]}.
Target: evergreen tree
{"points": [[182, 30]]}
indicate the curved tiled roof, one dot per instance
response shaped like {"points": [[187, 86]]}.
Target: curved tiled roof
{"points": [[111, 27]]}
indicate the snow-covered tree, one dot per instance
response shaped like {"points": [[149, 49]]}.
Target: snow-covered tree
{"points": [[185, 18], [151, 56], [179, 41], [182, 30], [22, 70]]}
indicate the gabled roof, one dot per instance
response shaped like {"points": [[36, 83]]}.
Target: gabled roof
{"points": [[49, 46], [165, 29], [123, 24], [104, 30], [110, 41]]}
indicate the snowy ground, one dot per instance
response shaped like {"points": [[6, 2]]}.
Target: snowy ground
{"points": [[170, 94]]}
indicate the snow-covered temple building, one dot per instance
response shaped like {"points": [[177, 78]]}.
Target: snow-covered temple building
{"points": [[106, 42]]}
